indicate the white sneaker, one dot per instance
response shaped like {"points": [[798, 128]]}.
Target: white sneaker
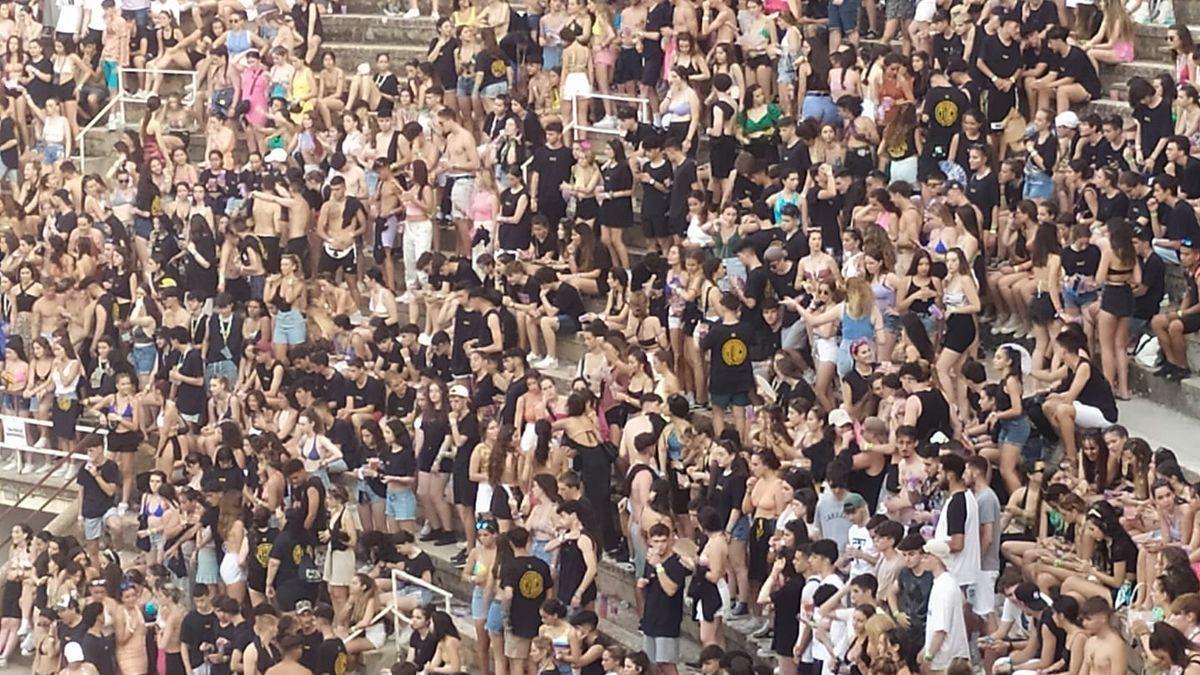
{"points": [[548, 363], [65, 471], [28, 467], [411, 14], [424, 529], [24, 629], [435, 15], [41, 442], [122, 508], [405, 298], [9, 464], [608, 122], [27, 645]]}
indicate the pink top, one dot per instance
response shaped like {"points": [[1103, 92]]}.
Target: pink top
{"points": [[484, 205], [255, 84]]}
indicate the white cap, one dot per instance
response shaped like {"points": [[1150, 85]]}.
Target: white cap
{"points": [[1067, 119], [73, 652], [459, 391], [839, 417]]}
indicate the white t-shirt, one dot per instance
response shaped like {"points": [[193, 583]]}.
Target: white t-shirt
{"points": [[819, 653], [859, 538], [960, 515], [95, 14], [69, 14], [946, 614]]}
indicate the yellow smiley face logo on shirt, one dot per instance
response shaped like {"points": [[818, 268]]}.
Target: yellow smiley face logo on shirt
{"points": [[734, 352]]}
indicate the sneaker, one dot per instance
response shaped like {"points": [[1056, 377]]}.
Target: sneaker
{"points": [[424, 529], [607, 122], [460, 557], [122, 508], [447, 539], [405, 298], [28, 467], [435, 15], [411, 14], [740, 609], [66, 471], [41, 442], [3, 661], [548, 363], [27, 645], [764, 632], [9, 465], [24, 629], [431, 535]]}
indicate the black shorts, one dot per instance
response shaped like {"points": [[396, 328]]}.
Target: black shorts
{"points": [[759, 61], [960, 332], [1191, 323], [998, 105], [652, 68], [723, 152], [464, 490], [1041, 308], [299, 248], [124, 441], [761, 531], [628, 67], [656, 225], [1117, 299], [270, 253], [330, 265]]}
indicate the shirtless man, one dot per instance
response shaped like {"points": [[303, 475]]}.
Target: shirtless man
{"points": [[628, 69], [49, 311], [340, 224], [1105, 652], [388, 211], [720, 19], [173, 312], [297, 220], [292, 647], [458, 166], [766, 496], [267, 215]]}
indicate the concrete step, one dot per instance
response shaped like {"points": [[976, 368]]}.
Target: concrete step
{"points": [[377, 7], [377, 29], [1123, 72], [349, 54], [1150, 42]]}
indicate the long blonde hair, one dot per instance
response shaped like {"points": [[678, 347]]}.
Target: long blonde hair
{"points": [[858, 297]]}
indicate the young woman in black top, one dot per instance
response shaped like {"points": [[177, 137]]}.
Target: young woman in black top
{"points": [[1085, 400], [1119, 272]]}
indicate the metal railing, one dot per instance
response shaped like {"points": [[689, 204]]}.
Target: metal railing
{"points": [[399, 579], [119, 101], [642, 102], [15, 439]]}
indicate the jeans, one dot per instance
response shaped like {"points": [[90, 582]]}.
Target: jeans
{"points": [[418, 238]]}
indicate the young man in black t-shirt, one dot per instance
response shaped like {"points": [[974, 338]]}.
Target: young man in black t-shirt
{"points": [[731, 372], [662, 586], [1148, 294], [1075, 79], [198, 632], [232, 634], [999, 62], [524, 583], [98, 479], [187, 377], [1173, 327], [561, 306], [331, 657]]}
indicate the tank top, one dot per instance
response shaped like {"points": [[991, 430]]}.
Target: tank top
{"points": [[856, 328], [935, 414]]}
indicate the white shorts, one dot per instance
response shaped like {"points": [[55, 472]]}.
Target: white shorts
{"points": [[826, 349], [1090, 417], [231, 570], [576, 85], [925, 11], [983, 599]]}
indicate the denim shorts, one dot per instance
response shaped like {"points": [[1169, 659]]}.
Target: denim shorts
{"points": [[402, 505], [366, 495], [53, 152], [1073, 298], [741, 529], [1015, 431], [465, 86], [821, 107], [494, 90], [479, 610], [844, 17], [568, 323], [495, 618]]}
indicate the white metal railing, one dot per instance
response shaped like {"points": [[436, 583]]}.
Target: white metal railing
{"points": [[399, 579], [119, 102], [643, 112], [15, 438]]}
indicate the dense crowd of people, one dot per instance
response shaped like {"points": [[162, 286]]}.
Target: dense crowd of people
{"points": [[809, 338]]}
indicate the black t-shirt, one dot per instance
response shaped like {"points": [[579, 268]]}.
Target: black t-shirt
{"points": [[310, 655], [196, 631], [795, 157], [1078, 67], [730, 371], [1084, 263], [553, 167], [660, 17], [494, 68], [1044, 15], [370, 392], [331, 657], [336, 390], [956, 514], [763, 238], [944, 106], [189, 397], [656, 202], [8, 132], [1154, 278], [95, 502], [1153, 124], [664, 613], [423, 648], [288, 549], [400, 464], [757, 280], [1189, 178], [230, 638], [443, 64], [418, 565], [567, 300], [796, 245], [946, 49], [100, 651], [681, 187], [1003, 60], [823, 213], [529, 578], [1181, 222], [727, 494], [984, 192]]}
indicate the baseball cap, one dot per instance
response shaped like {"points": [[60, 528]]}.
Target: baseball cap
{"points": [[459, 391], [839, 417], [1067, 119], [73, 652], [774, 254], [938, 549], [953, 185], [853, 502], [304, 607], [1030, 596], [1144, 233], [1190, 243]]}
